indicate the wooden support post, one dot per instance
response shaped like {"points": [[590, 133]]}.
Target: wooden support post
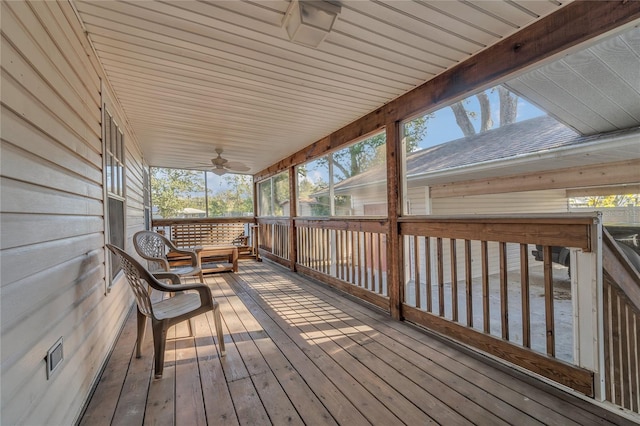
{"points": [[588, 310], [293, 212], [395, 264]]}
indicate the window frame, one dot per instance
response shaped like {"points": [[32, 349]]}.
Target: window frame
{"points": [[114, 183]]}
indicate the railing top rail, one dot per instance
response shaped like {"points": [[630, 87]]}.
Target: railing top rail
{"points": [[567, 230], [586, 218], [342, 218], [359, 224], [179, 221]]}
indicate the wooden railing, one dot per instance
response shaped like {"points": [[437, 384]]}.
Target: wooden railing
{"points": [[621, 294], [274, 239], [350, 254], [474, 279], [471, 279]]}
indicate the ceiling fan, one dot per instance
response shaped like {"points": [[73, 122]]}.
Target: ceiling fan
{"points": [[222, 165]]}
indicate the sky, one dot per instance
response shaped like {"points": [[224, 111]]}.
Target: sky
{"points": [[443, 128]]}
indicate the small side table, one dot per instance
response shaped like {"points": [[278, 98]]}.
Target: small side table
{"points": [[230, 252]]}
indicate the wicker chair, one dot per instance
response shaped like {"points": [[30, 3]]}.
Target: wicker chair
{"points": [[155, 248], [167, 311]]}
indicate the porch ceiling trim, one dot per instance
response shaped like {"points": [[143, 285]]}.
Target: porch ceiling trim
{"points": [[541, 41]]}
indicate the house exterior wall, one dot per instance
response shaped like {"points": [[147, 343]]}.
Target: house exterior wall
{"points": [[52, 215], [531, 202], [368, 197]]}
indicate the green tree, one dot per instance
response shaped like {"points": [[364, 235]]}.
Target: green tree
{"points": [[609, 200], [359, 157], [172, 190], [236, 199]]}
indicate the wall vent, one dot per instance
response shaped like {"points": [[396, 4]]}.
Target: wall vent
{"points": [[54, 358]]}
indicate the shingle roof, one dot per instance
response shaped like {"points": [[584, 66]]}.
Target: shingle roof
{"points": [[525, 137]]}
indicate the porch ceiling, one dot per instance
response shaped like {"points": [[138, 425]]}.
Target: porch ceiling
{"points": [[194, 76]]}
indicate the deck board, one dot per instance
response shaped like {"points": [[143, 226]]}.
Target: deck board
{"points": [[301, 353]]}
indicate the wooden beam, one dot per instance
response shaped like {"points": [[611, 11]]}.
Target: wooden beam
{"points": [[293, 212], [571, 25], [613, 174], [395, 263]]}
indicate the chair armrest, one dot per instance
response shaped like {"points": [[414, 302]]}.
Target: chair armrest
{"points": [[241, 240], [204, 291], [175, 279], [186, 252]]}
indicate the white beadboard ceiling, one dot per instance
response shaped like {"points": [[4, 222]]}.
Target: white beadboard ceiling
{"points": [[595, 90], [193, 76]]}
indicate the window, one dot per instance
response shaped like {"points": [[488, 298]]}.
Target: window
{"points": [[179, 193], [146, 195], [273, 196], [345, 182], [494, 125], [114, 176]]}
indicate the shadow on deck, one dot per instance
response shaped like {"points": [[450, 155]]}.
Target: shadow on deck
{"points": [[299, 353]]}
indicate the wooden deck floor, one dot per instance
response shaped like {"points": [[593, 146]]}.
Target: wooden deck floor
{"points": [[300, 353]]}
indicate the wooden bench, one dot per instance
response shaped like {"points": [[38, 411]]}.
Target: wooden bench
{"points": [[191, 235]]}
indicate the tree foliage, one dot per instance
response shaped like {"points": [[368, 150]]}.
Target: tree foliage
{"points": [[361, 156], [622, 200], [172, 190], [235, 200]]}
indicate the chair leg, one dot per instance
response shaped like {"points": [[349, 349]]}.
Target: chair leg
{"points": [[218, 320], [159, 340], [192, 326], [142, 326]]}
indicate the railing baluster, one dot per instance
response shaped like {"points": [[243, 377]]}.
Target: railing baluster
{"points": [[440, 276], [427, 262], [454, 279], [625, 366], [504, 291], [524, 296], [607, 298], [468, 281], [416, 261], [353, 257], [372, 261], [365, 258], [359, 262], [486, 314], [548, 301], [616, 372], [380, 276]]}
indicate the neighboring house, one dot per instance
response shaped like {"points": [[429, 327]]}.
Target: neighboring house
{"points": [[500, 154], [515, 151]]}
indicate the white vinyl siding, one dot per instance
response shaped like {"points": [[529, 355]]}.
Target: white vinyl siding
{"points": [[52, 215], [530, 202], [367, 196]]}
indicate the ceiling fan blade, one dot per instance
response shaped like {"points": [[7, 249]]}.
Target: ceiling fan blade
{"points": [[236, 166]]}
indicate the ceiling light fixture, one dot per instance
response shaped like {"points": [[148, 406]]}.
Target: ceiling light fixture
{"points": [[309, 21]]}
